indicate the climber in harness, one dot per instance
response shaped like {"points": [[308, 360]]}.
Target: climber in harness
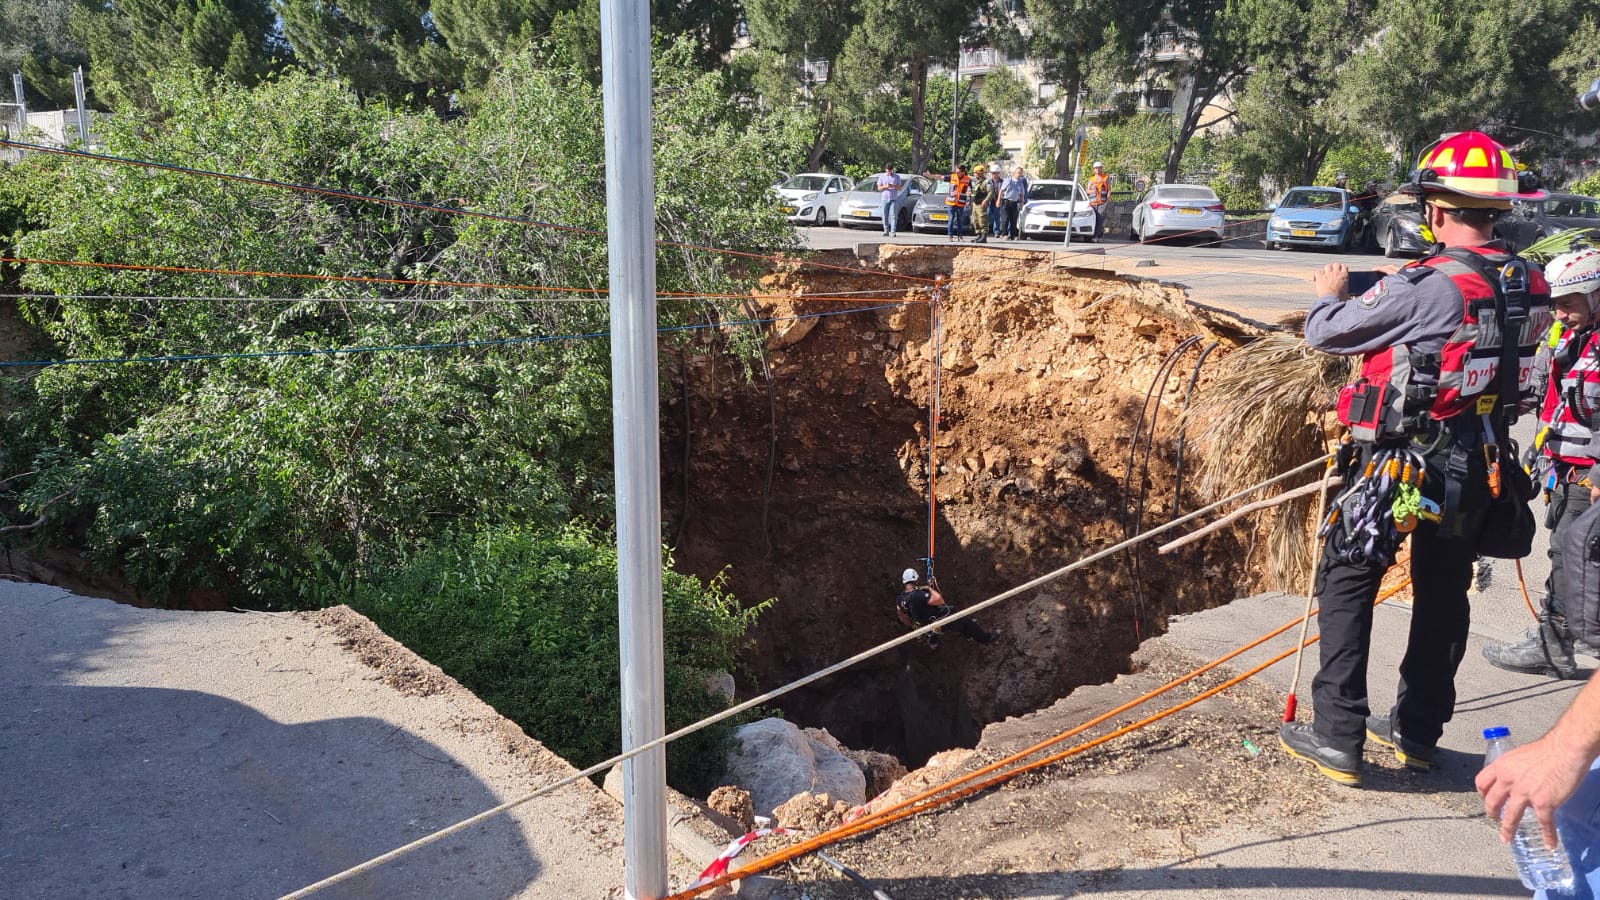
{"points": [[1447, 344], [1568, 367], [919, 606]]}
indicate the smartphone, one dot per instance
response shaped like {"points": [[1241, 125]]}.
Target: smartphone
{"points": [[1363, 280]]}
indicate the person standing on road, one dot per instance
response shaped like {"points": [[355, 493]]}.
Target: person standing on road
{"points": [[997, 204], [1099, 196], [980, 204], [889, 184], [1424, 411], [1568, 366], [1013, 194], [918, 606], [956, 204]]}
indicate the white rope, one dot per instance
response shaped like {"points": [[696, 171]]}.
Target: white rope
{"points": [[791, 686]]}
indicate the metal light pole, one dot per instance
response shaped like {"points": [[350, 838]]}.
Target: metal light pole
{"points": [[83, 114], [636, 440], [955, 108], [1078, 137], [22, 104]]}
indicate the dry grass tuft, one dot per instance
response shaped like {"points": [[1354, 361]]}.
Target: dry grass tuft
{"points": [[1261, 415]]}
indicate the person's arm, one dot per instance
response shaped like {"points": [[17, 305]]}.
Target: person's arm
{"points": [[934, 597], [1543, 774], [1382, 317]]}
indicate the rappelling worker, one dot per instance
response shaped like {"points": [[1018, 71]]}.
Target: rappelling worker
{"points": [[918, 606], [1428, 421], [1569, 367]]}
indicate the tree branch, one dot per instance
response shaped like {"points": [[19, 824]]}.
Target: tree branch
{"points": [[42, 510]]}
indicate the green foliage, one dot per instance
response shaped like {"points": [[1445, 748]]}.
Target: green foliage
{"points": [[284, 480], [1589, 186], [528, 622], [35, 40], [1363, 162], [384, 49], [1134, 148], [132, 42]]}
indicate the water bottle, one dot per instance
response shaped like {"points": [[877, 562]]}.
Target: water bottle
{"points": [[1540, 867]]}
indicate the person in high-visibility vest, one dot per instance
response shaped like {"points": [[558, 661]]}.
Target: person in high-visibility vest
{"points": [[1099, 196], [956, 202]]}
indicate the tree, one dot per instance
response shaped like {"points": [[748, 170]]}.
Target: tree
{"points": [[1225, 37], [384, 49], [131, 41], [893, 48], [794, 42], [35, 40], [1066, 36]]}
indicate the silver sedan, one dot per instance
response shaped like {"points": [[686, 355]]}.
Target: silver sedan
{"points": [[1178, 209]]}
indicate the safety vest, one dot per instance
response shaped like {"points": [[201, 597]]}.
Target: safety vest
{"points": [[1568, 405], [1099, 189], [1390, 401], [959, 186]]}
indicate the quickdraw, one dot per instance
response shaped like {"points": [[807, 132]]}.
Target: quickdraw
{"points": [[1371, 516]]}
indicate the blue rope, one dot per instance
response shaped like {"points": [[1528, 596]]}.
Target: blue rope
{"points": [[340, 351]]}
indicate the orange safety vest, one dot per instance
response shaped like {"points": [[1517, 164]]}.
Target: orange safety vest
{"points": [[959, 186], [1099, 189]]}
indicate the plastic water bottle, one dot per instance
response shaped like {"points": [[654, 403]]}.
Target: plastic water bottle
{"points": [[1541, 868]]}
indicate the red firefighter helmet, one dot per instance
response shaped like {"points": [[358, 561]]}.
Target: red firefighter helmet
{"points": [[1471, 169]]}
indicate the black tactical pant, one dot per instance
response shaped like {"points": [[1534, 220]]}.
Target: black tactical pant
{"points": [[967, 625], [1568, 501], [1441, 571]]}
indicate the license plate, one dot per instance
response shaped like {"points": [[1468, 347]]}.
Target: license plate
{"points": [[1189, 211], [786, 210], [938, 217], [865, 214], [1058, 223], [1302, 232]]}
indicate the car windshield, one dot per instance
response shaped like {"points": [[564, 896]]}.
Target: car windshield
{"points": [[1054, 191], [805, 183], [1186, 193], [941, 188], [1573, 208], [870, 183], [1312, 200]]}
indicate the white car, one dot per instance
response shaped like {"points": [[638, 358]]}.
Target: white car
{"points": [[863, 206], [812, 197], [1178, 209], [1049, 205]]}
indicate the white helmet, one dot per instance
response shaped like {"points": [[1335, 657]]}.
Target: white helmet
{"points": [[1574, 272], [909, 576]]}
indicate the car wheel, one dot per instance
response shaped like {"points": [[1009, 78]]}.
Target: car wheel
{"points": [[904, 221], [821, 217], [1391, 244], [1269, 245]]}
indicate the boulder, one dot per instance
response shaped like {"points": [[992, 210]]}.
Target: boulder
{"points": [[775, 760], [735, 804], [811, 813]]}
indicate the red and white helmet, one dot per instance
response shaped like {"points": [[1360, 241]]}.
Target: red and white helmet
{"points": [[1471, 169], [1574, 272]]}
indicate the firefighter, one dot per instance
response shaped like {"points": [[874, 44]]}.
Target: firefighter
{"points": [[1427, 404], [1569, 367], [918, 606]]}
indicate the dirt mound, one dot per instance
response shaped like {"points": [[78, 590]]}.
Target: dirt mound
{"points": [[812, 486]]}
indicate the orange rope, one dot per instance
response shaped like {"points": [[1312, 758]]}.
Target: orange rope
{"points": [[451, 210], [1522, 583], [365, 279], [937, 796]]}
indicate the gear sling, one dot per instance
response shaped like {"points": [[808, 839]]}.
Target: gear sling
{"points": [[1482, 368]]}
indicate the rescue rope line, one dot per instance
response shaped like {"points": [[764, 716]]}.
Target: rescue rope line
{"points": [[785, 689], [426, 207], [1523, 584], [969, 784], [830, 295], [449, 345], [936, 327], [1319, 513]]}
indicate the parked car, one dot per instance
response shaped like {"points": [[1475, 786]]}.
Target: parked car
{"points": [[929, 213], [813, 197], [1174, 209], [1049, 204], [863, 207], [1312, 217], [1396, 226], [1531, 220]]}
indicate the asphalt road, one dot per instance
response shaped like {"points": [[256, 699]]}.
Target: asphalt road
{"points": [[1238, 275]]}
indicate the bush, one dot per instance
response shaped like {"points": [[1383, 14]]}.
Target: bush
{"points": [[528, 622]]}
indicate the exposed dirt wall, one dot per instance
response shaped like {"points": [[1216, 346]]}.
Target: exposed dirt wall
{"points": [[1042, 377]]}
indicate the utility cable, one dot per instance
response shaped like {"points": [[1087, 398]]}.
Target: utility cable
{"points": [[773, 694], [1188, 392], [426, 207], [949, 792], [401, 301], [488, 342]]}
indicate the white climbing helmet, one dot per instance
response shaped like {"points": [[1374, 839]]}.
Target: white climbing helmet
{"points": [[1575, 272], [909, 576]]}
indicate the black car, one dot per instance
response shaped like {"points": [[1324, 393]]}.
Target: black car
{"points": [[1396, 226], [1530, 220]]}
